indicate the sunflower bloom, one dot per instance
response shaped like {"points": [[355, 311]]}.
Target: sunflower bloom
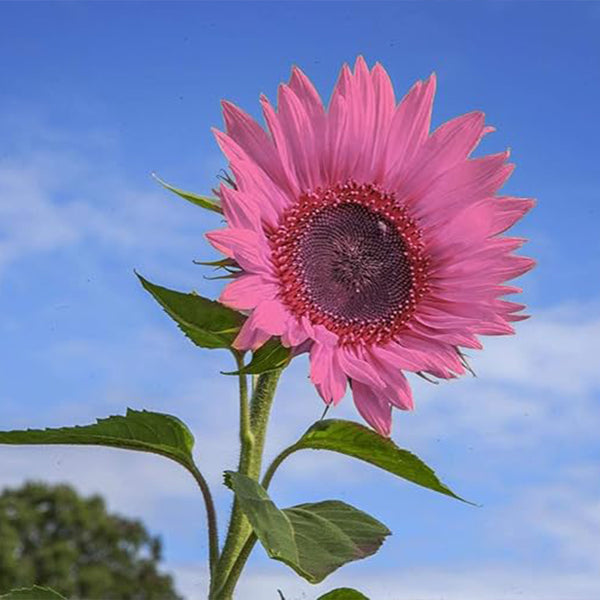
{"points": [[365, 239]]}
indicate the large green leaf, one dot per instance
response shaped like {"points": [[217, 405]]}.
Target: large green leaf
{"points": [[33, 593], [313, 539], [270, 356], [343, 594], [207, 323], [138, 430], [202, 201], [353, 439]]}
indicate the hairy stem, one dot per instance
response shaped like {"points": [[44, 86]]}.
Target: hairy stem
{"points": [[266, 481], [236, 569], [211, 518], [235, 520], [253, 429], [260, 410], [246, 435]]}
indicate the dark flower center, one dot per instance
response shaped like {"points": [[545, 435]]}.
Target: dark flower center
{"points": [[350, 258], [354, 263]]}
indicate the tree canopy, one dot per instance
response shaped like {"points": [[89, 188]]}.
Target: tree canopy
{"points": [[51, 536]]}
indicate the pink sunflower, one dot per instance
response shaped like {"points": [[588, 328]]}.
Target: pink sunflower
{"points": [[365, 239]]}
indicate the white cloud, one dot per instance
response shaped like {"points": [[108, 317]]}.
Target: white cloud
{"points": [[29, 221], [103, 471], [555, 351], [538, 386], [53, 199], [564, 513]]}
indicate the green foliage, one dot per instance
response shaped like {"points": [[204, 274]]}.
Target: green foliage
{"points": [[201, 201], [50, 536], [33, 593], [220, 263], [205, 322], [358, 441], [313, 539], [343, 594], [138, 430], [269, 357]]}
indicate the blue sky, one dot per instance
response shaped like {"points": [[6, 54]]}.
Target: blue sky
{"points": [[96, 96]]}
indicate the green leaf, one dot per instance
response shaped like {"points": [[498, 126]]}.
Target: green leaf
{"points": [[313, 539], [358, 441], [139, 430], [269, 357], [33, 593], [220, 263], [343, 594], [207, 323], [202, 201]]}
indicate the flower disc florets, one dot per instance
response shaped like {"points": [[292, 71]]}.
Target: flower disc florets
{"points": [[350, 258]]}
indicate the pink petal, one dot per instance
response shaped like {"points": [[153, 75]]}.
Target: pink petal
{"points": [[269, 318], [295, 334], [475, 291], [454, 141], [321, 334], [362, 105], [373, 407], [384, 110], [300, 137], [254, 141], [342, 146], [258, 195], [249, 248], [512, 266], [326, 373], [247, 291], [509, 210], [434, 349], [415, 353], [409, 128], [467, 227], [336, 156], [239, 209], [444, 321], [301, 85], [499, 328], [397, 388], [358, 368], [448, 145], [250, 337], [358, 123], [461, 186], [409, 359], [279, 135], [313, 106], [270, 200]]}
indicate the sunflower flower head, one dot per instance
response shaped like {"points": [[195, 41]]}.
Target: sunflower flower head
{"points": [[364, 238]]}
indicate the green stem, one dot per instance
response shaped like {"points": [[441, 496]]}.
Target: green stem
{"points": [[244, 553], [253, 429], [235, 520], [211, 517], [236, 569], [260, 410], [246, 435], [266, 481]]}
